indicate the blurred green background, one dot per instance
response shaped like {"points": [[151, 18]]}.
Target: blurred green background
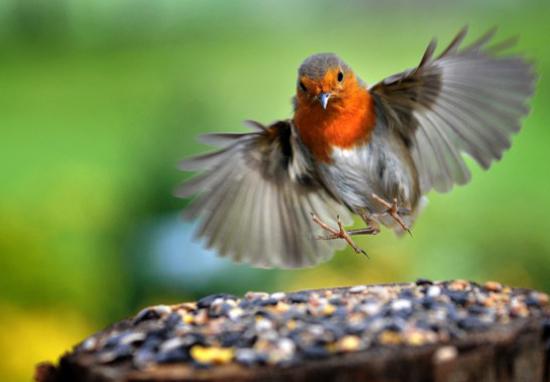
{"points": [[100, 99]]}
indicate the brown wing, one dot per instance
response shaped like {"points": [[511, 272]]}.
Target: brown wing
{"points": [[254, 197], [467, 100]]}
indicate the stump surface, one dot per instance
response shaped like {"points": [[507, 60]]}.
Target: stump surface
{"points": [[424, 331]]}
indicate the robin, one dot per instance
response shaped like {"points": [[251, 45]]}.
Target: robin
{"points": [[265, 196]]}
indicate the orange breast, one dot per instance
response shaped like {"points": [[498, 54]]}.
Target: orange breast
{"points": [[346, 123]]}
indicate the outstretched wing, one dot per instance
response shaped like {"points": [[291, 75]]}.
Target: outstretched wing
{"points": [[255, 196], [466, 100]]}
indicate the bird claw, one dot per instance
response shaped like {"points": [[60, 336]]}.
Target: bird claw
{"points": [[395, 211], [339, 233]]}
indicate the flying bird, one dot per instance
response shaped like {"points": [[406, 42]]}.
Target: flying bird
{"points": [[282, 194]]}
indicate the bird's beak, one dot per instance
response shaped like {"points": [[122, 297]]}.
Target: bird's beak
{"points": [[323, 98]]}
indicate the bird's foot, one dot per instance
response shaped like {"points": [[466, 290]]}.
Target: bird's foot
{"points": [[341, 233], [394, 211]]}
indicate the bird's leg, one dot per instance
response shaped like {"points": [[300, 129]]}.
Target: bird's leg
{"points": [[341, 232], [394, 211], [372, 228]]}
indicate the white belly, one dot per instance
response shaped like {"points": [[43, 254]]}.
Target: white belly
{"points": [[379, 168]]}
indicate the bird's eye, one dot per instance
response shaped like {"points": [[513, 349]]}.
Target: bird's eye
{"points": [[340, 76], [303, 87]]}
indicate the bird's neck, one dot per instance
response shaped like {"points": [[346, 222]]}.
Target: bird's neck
{"points": [[347, 122]]}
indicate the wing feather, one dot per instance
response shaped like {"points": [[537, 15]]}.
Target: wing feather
{"points": [[253, 198], [466, 101]]}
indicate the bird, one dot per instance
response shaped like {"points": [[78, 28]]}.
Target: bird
{"points": [[282, 194]]}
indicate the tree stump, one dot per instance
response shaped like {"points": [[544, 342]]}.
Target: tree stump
{"points": [[453, 331]]}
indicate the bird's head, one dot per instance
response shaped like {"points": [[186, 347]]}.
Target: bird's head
{"points": [[324, 80]]}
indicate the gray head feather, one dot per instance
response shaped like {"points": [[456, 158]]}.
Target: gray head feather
{"points": [[316, 66]]}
